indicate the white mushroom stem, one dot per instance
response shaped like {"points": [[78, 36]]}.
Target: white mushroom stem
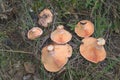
{"points": [[60, 27], [50, 48], [100, 41], [33, 30]]}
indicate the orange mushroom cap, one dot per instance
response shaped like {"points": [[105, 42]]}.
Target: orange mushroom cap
{"points": [[45, 17], [60, 35], [84, 28], [54, 57], [34, 33], [92, 49]]}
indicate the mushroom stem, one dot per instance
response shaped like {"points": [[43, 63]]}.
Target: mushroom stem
{"points": [[82, 25], [100, 41], [50, 48], [60, 27], [33, 30]]}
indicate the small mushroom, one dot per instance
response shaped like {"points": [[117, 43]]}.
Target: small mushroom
{"points": [[92, 49], [60, 35], [34, 33], [54, 56], [84, 28], [45, 17]]}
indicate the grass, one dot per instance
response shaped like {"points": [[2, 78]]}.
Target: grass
{"points": [[14, 44]]}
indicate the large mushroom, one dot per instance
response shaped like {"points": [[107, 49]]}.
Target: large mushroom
{"points": [[54, 56], [84, 28], [60, 35], [92, 49], [34, 33], [45, 17]]}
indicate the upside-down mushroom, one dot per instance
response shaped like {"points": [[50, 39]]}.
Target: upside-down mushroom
{"points": [[60, 35], [54, 56], [34, 33], [45, 17], [84, 28], [93, 50]]}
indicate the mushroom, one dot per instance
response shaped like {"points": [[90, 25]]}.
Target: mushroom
{"points": [[45, 17], [92, 49], [84, 28], [34, 33], [60, 35], [54, 56]]}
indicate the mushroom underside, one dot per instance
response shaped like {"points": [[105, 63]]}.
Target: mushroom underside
{"points": [[93, 53], [54, 60]]}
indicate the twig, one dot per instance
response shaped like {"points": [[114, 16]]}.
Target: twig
{"points": [[54, 14], [43, 41], [77, 38], [54, 20], [82, 13], [2, 50]]}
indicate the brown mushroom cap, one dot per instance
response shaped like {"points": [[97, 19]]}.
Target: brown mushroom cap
{"points": [[84, 28], [34, 33], [45, 17], [92, 50], [60, 35], [54, 57]]}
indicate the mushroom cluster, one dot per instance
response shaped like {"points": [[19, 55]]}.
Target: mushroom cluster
{"points": [[54, 56], [92, 49], [45, 18]]}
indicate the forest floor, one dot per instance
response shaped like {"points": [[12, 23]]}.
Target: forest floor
{"points": [[20, 58]]}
